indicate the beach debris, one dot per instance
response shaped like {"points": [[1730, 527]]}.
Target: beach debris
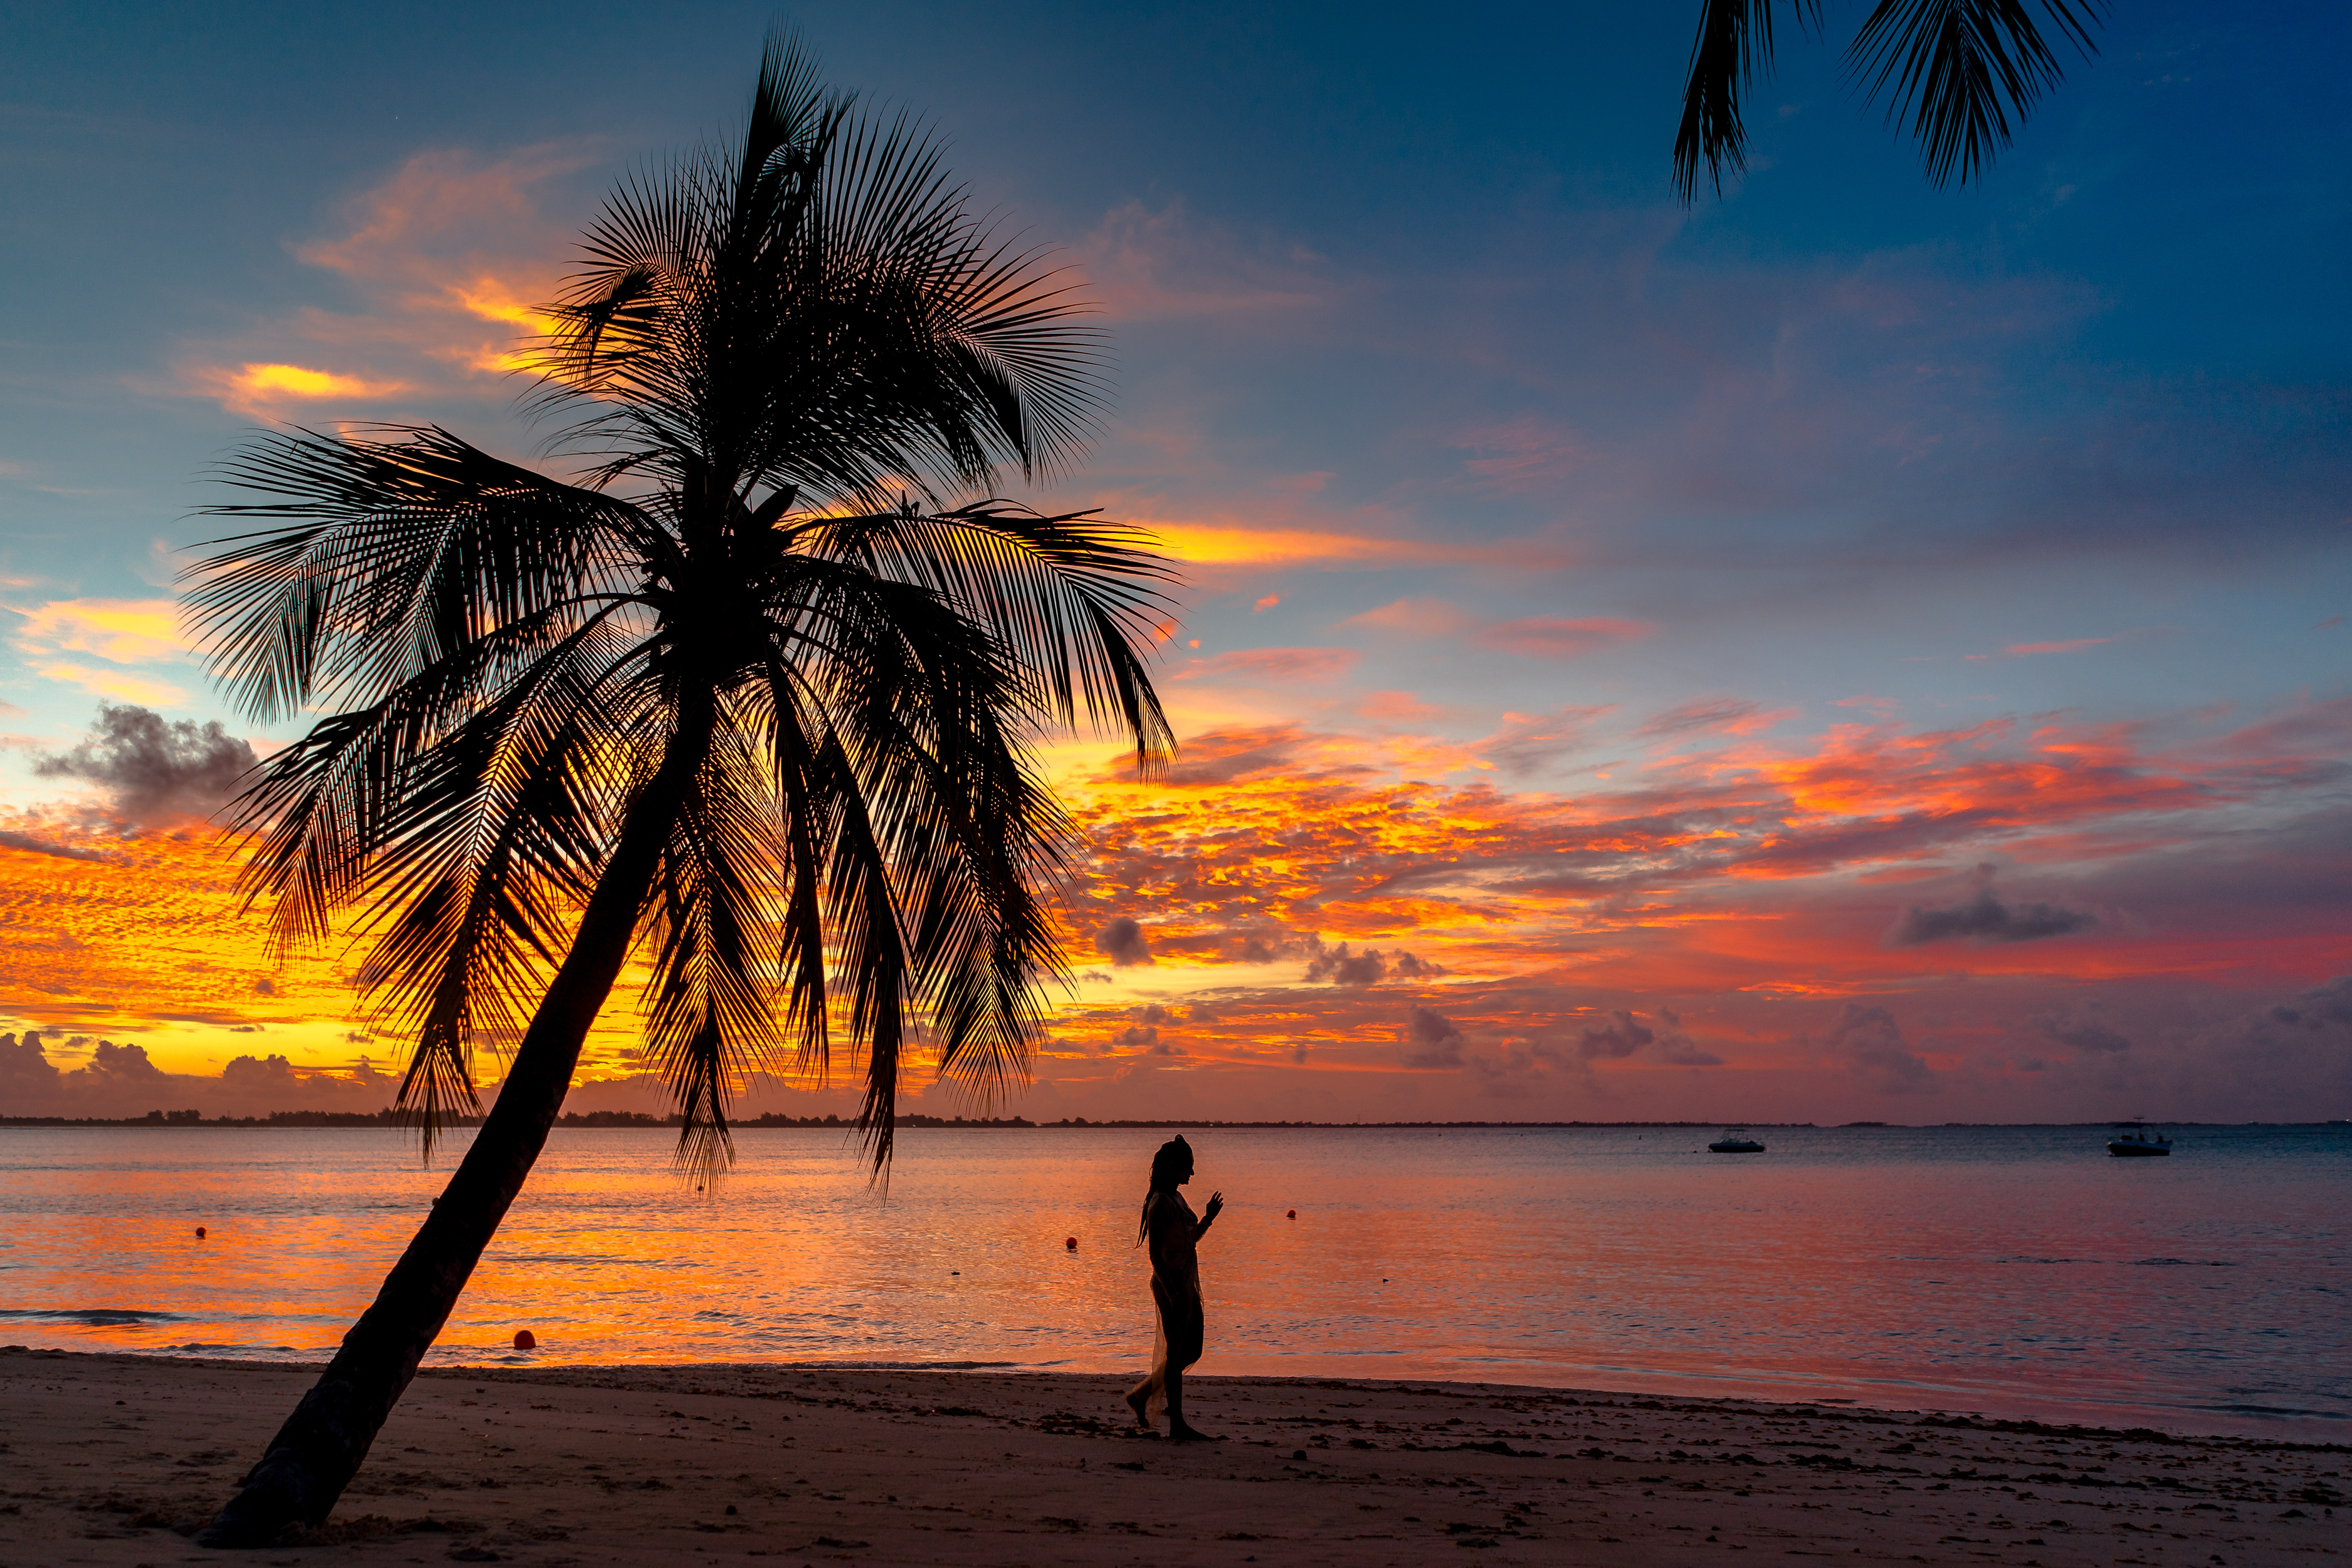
{"points": [[200, 1233], [525, 1340], [1070, 1243], [1292, 1214]]}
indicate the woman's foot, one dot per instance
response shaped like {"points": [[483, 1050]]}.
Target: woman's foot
{"points": [[1139, 1401], [1182, 1433]]}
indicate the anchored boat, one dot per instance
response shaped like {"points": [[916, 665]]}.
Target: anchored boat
{"points": [[1735, 1141], [2132, 1140]]}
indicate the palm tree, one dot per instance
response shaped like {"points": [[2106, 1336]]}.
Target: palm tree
{"points": [[751, 697], [1959, 71]]}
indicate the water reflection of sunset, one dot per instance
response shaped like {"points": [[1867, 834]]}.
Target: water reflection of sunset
{"points": [[2014, 1271]]}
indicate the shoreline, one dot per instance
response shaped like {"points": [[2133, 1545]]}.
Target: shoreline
{"points": [[115, 1457], [1989, 1409]]}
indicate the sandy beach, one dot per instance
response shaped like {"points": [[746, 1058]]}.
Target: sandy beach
{"points": [[112, 1459]]}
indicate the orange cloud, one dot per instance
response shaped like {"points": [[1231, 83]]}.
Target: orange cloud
{"points": [[1209, 545], [1716, 906], [122, 631], [115, 683], [446, 258], [125, 631], [265, 383]]}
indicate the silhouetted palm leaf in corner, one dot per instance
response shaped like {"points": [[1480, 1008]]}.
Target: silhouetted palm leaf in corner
{"points": [[756, 697], [1962, 72]]}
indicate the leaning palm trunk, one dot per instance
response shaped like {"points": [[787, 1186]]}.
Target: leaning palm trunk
{"points": [[764, 718], [319, 1451]]}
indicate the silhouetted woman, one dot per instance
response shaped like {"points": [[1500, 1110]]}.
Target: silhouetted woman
{"points": [[1173, 1233]]}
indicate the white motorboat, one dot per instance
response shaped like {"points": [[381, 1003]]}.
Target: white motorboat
{"points": [[1735, 1141]]}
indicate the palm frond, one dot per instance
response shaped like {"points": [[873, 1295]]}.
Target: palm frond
{"points": [[930, 720], [1961, 70], [1965, 73], [1732, 51], [500, 844], [1077, 600], [325, 807], [397, 553], [709, 1019]]}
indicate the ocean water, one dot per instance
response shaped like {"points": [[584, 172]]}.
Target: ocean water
{"points": [[2005, 1271]]}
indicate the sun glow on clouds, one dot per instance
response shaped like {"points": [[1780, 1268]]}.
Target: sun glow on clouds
{"points": [[264, 383], [1747, 876], [121, 631], [145, 936], [126, 631], [115, 683], [1204, 545], [418, 334], [1305, 897]]}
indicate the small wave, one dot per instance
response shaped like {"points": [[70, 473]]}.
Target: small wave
{"points": [[2182, 1263], [89, 1317], [905, 1365]]}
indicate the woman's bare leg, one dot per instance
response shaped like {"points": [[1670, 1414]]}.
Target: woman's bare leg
{"points": [[1181, 1430], [1138, 1399]]}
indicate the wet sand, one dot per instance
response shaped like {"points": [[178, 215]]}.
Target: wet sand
{"points": [[114, 1459]]}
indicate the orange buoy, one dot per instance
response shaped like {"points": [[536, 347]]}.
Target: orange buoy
{"points": [[525, 1340], [1070, 1243], [200, 1233], [1292, 1214]]}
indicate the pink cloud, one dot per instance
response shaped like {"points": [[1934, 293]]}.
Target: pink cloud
{"points": [[1558, 637], [1417, 618], [1524, 456], [1716, 715], [1526, 742], [2027, 649], [1279, 666], [1143, 264], [1402, 707]]}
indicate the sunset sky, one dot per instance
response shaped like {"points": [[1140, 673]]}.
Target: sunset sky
{"points": [[1843, 651]]}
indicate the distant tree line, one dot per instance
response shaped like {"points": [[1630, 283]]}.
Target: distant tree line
{"points": [[391, 1117]]}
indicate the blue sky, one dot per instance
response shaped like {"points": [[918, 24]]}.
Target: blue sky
{"points": [[1494, 466]]}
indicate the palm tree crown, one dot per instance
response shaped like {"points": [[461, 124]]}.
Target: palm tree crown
{"points": [[767, 639]]}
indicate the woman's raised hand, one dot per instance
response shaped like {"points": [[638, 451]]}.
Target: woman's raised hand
{"points": [[1216, 1201]]}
